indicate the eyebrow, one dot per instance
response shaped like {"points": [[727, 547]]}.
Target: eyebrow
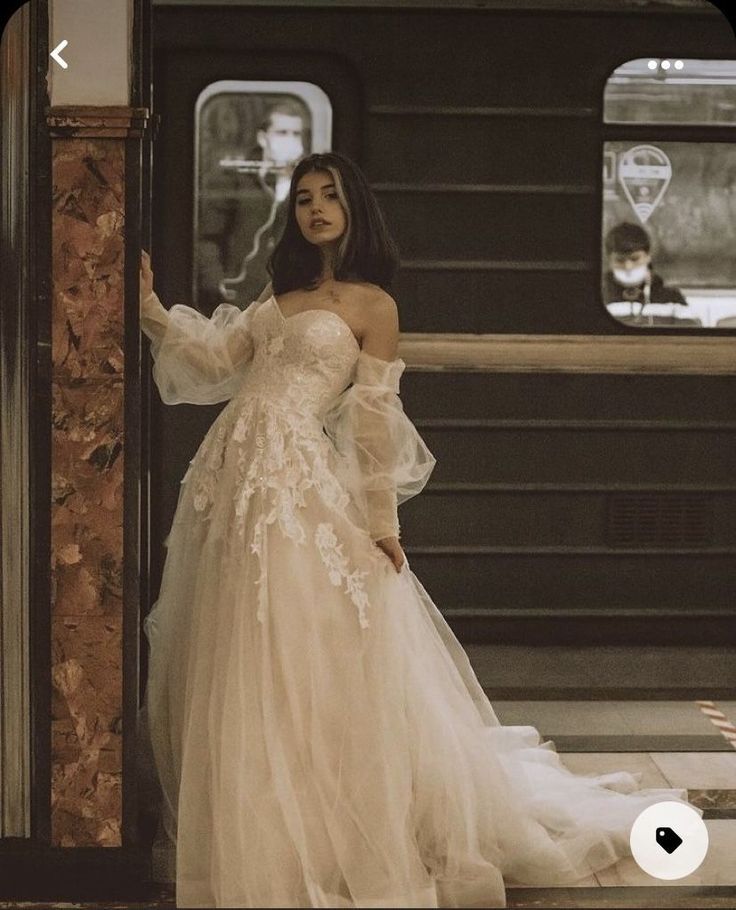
{"points": [[323, 187]]}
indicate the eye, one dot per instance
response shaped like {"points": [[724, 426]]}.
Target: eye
{"points": [[332, 195], [303, 201]]}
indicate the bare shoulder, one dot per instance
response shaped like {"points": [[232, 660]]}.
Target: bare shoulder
{"points": [[379, 303], [369, 297], [380, 323]]}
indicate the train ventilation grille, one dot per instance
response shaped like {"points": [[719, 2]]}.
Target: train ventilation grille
{"points": [[659, 520]]}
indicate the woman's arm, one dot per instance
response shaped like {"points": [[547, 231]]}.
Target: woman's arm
{"points": [[381, 331], [384, 460], [196, 360], [380, 340]]}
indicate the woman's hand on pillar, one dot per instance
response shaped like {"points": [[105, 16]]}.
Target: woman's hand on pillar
{"points": [[146, 276]]}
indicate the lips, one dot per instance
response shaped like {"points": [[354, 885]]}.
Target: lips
{"points": [[318, 222]]}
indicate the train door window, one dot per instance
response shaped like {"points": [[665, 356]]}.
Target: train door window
{"points": [[248, 137], [669, 203]]}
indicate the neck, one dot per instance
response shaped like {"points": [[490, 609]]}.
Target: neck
{"points": [[329, 256]]}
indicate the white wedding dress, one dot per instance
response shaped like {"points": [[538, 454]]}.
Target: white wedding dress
{"points": [[320, 737]]}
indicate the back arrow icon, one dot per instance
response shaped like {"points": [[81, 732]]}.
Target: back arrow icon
{"points": [[55, 53]]}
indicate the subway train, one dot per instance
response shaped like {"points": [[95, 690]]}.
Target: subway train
{"points": [[585, 486]]}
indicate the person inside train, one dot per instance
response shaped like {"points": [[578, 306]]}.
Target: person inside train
{"points": [[631, 279], [260, 214]]}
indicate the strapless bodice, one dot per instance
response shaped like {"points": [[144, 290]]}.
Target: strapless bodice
{"points": [[300, 362]]}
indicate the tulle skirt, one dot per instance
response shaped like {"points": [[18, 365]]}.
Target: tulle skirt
{"points": [[322, 741]]}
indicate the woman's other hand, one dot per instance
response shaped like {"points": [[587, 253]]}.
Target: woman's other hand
{"points": [[146, 276], [392, 548]]}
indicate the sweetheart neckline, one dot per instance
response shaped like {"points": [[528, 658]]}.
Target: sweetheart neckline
{"points": [[315, 310]]}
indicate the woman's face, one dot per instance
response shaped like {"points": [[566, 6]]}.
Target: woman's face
{"points": [[319, 212]]}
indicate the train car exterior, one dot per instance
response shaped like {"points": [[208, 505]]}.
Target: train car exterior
{"points": [[584, 484]]}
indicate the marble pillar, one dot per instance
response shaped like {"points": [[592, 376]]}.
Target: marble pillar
{"points": [[87, 472]]}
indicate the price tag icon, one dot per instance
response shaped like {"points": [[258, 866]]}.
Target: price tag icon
{"points": [[668, 840]]}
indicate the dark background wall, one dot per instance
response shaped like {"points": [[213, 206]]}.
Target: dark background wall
{"points": [[481, 132]]}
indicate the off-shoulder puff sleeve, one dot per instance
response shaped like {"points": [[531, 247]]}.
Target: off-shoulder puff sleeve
{"points": [[382, 458], [197, 360]]}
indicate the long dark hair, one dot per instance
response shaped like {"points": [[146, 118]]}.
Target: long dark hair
{"points": [[366, 251]]}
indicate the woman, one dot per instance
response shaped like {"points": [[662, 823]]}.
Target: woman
{"points": [[320, 736]]}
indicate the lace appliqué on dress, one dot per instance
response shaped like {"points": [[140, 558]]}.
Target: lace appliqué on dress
{"points": [[280, 465], [337, 563], [276, 454]]}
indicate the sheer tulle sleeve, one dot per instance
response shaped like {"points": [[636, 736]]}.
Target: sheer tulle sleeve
{"points": [[197, 360], [383, 459]]}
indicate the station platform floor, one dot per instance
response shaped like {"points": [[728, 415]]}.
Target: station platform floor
{"points": [[664, 711]]}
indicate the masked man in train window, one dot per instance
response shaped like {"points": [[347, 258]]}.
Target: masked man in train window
{"points": [[259, 216], [633, 291]]}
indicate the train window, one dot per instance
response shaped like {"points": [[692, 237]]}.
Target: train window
{"points": [[248, 136], [671, 91], [669, 207]]}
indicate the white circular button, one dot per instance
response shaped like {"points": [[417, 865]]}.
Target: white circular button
{"points": [[669, 840]]}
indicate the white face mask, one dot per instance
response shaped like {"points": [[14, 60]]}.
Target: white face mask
{"points": [[630, 278], [285, 149]]}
